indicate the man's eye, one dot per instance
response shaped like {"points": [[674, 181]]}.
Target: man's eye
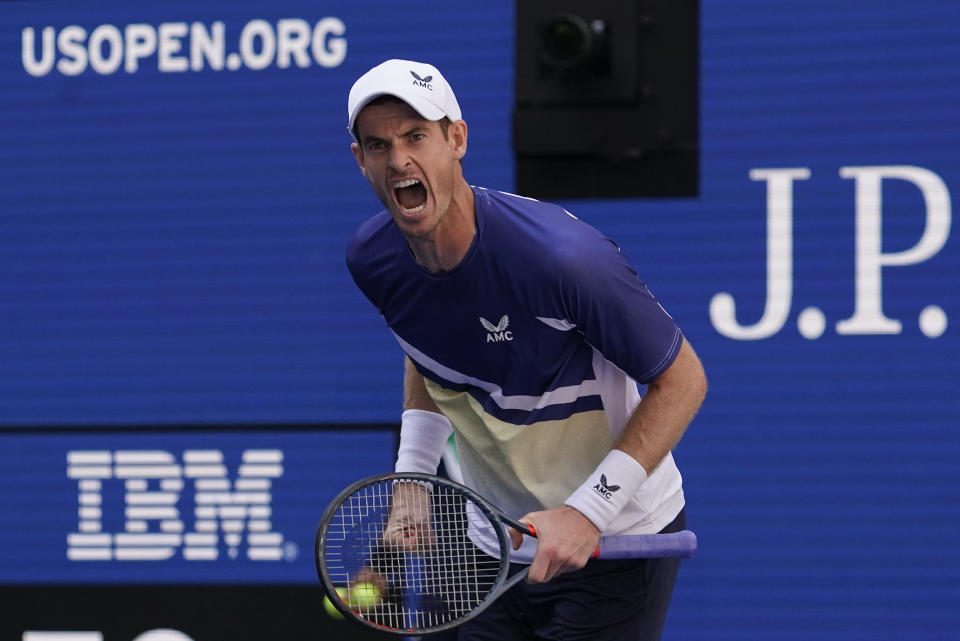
{"points": [[374, 146], [417, 137]]}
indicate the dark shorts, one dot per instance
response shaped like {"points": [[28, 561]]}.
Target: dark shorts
{"points": [[604, 601]]}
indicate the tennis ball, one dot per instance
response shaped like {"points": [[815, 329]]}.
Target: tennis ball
{"points": [[332, 609], [363, 595]]}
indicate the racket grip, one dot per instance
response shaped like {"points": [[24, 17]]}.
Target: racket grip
{"points": [[681, 544]]}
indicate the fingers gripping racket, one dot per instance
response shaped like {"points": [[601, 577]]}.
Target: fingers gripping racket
{"points": [[414, 553]]}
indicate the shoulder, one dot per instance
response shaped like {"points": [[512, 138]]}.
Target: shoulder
{"points": [[370, 242], [522, 208], [546, 230], [556, 238], [372, 256]]}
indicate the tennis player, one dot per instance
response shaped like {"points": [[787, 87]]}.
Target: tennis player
{"points": [[526, 333]]}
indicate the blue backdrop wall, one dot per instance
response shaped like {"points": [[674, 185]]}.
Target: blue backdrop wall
{"points": [[176, 190]]}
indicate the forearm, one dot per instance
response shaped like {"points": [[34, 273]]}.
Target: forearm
{"points": [[668, 407], [415, 396], [424, 430], [649, 435]]}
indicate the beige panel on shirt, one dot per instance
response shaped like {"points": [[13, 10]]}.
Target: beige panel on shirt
{"points": [[548, 459]]}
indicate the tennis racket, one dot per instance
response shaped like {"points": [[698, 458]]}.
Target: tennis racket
{"points": [[424, 554]]}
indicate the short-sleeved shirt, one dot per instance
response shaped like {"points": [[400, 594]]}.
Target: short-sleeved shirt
{"points": [[532, 346]]}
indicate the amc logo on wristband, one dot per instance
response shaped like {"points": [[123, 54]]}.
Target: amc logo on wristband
{"points": [[604, 489]]}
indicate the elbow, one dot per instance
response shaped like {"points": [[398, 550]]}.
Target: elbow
{"points": [[692, 374], [697, 379], [700, 387], [694, 386], [685, 381]]}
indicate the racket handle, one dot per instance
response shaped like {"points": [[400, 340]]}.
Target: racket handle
{"points": [[682, 544]]}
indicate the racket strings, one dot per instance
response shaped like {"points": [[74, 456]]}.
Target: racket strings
{"points": [[412, 543]]}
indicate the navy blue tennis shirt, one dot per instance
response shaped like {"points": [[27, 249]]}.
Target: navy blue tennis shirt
{"points": [[532, 346]]}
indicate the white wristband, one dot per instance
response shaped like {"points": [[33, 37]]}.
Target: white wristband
{"points": [[423, 435], [608, 488]]}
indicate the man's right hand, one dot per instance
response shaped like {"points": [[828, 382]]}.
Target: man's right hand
{"points": [[408, 527]]}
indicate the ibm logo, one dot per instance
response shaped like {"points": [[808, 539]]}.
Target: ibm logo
{"points": [[153, 482]]}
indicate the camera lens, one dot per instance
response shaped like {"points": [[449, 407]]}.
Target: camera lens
{"points": [[567, 41]]}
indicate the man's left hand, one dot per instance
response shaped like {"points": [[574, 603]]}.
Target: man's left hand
{"points": [[566, 540]]}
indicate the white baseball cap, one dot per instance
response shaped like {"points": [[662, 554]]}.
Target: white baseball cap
{"points": [[418, 84]]}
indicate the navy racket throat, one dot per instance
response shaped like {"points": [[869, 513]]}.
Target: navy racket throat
{"points": [[430, 554]]}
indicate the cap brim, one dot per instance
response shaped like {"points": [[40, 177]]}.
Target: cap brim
{"points": [[423, 107]]}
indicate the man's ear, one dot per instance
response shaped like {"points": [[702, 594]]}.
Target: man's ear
{"points": [[358, 154], [457, 135]]}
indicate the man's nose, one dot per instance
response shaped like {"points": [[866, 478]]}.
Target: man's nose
{"points": [[397, 158]]}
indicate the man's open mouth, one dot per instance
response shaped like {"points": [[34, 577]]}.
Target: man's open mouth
{"points": [[411, 195]]}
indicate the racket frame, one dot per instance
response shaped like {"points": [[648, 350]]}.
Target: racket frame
{"points": [[491, 512], [682, 544]]}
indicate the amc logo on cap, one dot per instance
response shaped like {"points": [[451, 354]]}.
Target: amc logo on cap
{"points": [[422, 82]]}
